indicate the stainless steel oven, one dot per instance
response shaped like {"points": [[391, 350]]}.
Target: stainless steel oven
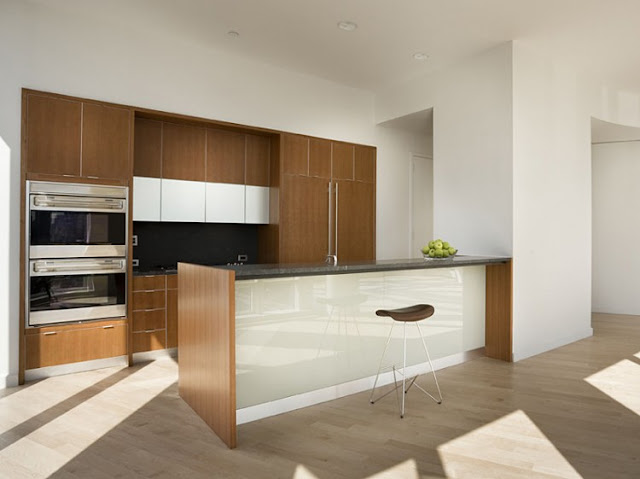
{"points": [[67, 220], [63, 290]]}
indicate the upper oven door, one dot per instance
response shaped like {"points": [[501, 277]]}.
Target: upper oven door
{"points": [[62, 226]]}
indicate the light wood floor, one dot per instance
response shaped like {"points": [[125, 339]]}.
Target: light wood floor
{"points": [[572, 412]]}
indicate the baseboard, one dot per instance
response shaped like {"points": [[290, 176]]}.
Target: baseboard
{"points": [[273, 408], [153, 355], [8, 381], [557, 343], [50, 371]]}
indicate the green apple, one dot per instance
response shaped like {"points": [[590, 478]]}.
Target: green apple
{"points": [[431, 244], [432, 253], [445, 245], [439, 253], [445, 253], [452, 250], [438, 244], [425, 249]]}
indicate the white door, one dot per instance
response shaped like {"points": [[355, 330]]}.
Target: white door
{"points": [[183, 201], [225, 203], [421, 203], [146, 198]]}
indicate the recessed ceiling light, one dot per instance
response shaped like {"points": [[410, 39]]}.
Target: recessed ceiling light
{"points": [[233, 34], [420, 56], [347, 26]]}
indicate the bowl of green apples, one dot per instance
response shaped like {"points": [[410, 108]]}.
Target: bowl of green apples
{"points": [[438, 249]]}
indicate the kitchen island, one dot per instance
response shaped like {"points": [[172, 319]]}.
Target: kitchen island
{"points": [[259, 340]]}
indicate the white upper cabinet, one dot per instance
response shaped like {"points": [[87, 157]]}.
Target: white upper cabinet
{"points": [[183, 201], [257, 204], [146, 198], [224, 203]]}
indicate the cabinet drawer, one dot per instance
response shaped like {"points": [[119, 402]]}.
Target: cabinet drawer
{"points": [[148, 300], [52, 348], [172, 281], [148, 320], [148, 283], [149, 341]]}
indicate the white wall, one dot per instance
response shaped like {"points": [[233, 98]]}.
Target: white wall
{"points": [[44, 49], [551, 205], [616, 227]]}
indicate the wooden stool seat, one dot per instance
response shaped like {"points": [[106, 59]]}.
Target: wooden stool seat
{"points": [[409, 314]]}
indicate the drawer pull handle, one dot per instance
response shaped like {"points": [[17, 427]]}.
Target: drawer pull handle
{"points": [[109, 326], [149, 330], [50, 333]]}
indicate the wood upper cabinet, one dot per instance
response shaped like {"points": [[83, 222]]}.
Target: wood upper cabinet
{"points": [[257, 160], [342, 161], [365, 164], [304, 218], [225, 157], [356, 212], [183, 152], [147, 156], [53, 135], [319, 158], [295, 154], [106, 136]]}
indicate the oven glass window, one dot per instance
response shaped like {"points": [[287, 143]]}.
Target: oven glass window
{"points": [[77, 228], [49, 293]]}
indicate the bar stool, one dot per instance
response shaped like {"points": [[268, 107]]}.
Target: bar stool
{"points": [[410, 314]]}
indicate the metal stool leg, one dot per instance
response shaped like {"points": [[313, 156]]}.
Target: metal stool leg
{"points": [[433, 371], [371, 400], [404, 367]]}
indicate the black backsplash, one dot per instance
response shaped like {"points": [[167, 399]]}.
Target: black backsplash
{"points": [[164, 244]]}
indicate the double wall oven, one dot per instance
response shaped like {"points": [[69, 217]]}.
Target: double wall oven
{"points": [[77, 252]]}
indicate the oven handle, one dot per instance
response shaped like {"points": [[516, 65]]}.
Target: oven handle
{"points": [[57, 267], [48, 202]]}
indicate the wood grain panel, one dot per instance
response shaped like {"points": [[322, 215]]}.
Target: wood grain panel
{"points": [[172, 317], [106, 141], [149, 320], [183, 152], [257, 160], [53, 135], [206, 346], [148, 300], [149, 283], [172, 281], [147, 157], [149, 341], [55, 347], [304, 227], [365, 164], [295, 154], [498, 313], [225, 157], [342, 157], [356, 221], [319, 158]]}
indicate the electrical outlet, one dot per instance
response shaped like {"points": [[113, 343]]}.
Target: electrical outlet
{"points": [[243, 258], [135, 263], [134, 240]]}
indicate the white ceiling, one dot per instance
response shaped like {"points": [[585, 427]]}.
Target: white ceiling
{"points": [[599, 36]]}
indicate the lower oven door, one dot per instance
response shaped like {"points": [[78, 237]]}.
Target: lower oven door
{"points": [[66, 290]]}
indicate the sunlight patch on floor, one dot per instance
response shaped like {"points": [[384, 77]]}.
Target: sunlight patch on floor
{"points": [[621, 382], [51, 446], [405, 470], [512, 446]]}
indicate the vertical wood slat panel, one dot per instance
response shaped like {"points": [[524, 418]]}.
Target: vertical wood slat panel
{"points": [[498, 313], [206, 346]]}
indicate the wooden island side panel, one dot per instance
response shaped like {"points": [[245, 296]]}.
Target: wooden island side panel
{"points": [[498, 313], [206, 346]]}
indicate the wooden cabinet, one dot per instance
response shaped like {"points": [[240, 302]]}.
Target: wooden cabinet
{"points": [[342, 158], [74, 138], [295, 155], [63, 344], [183, 152], [365, 164], [155, 313], [257, 160], [356, 221], [225, 157], [106, 136], [320, 158], [147, 156], [172, 315]]}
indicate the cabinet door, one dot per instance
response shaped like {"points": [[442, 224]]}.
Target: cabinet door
{"points": [[106, 136], [146, 198], [256, 204], [319, 158], [183, 152], [257, 160], [304, 217], [182, 201], [356, 221], [365, 164], [225, 203], [295, 154], [225, 157], [53, 135], [147, 148], [342, 161]]}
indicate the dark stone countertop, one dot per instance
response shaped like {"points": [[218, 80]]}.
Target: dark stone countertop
{"points": [[257, 271]]}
